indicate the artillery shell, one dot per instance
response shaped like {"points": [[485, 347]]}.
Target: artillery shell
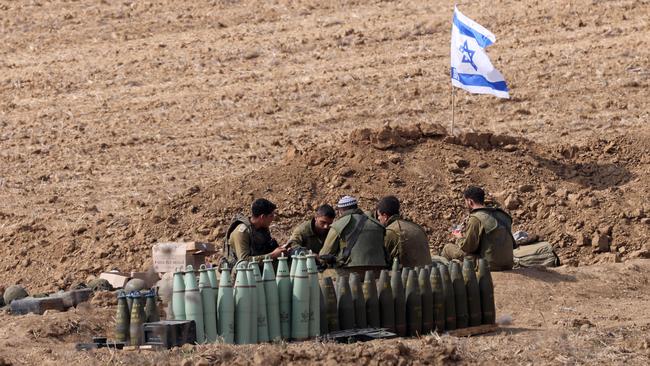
{"points": [[460, 293]]}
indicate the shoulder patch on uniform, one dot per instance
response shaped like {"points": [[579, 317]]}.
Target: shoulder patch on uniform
{"points": [[242, 228]]}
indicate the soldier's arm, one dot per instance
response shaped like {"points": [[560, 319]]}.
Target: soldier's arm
{"points": [[296, 239], [331, 245], [391, 243], [470, 241], [241, 243]]}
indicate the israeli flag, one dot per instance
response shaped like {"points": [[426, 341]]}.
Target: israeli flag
{"points": [[471, 68]]}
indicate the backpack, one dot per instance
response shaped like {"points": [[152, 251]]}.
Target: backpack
{"points": [[535, 255]]}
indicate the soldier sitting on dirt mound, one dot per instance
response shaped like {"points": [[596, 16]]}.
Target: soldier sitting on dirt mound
{"points": [[311, 234], [355, 240], [404, 240], [488, 233], [250, 239]]}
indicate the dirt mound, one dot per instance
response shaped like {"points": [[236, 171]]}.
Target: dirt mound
{"points": [[587, 200]]}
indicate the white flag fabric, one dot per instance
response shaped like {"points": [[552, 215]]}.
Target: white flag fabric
{"points": [[471, 68]]}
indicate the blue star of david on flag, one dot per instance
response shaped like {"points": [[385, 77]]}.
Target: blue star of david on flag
{"points": [[471, 68], [467, 55]]}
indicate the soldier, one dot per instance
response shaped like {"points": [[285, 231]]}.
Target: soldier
{"points": [[250, 239], [355, 240], [488, 233], [311, 234], [404, 240]]}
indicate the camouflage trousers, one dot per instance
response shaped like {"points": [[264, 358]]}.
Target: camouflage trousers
{"points": [[453, 251]]}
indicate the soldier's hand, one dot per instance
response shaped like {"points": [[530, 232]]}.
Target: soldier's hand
{"points": [[277, 252]]}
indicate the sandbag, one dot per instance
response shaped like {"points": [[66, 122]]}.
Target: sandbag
{"points": [[535, 255]]}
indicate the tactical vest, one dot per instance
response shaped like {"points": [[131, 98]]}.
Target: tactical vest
{"points": [[368, 246], [413, 244], [496, 243], [259, 244]]}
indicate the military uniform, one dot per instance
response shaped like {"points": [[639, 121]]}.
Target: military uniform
{"points": [[488, 235], [304, 235], [246, 243], [407, 241], [357, 241]]}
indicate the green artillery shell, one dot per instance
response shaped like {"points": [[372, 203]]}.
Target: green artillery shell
{"points": [[344, 303], [151, 307], [194, 304], [473, 293], [372, 300], [243, 305], [358, 300], [284, 291], [400, 303], [226, 307], [487, 292], [427, 301], [129, 301], [136, 324], [386, 302], [450, 299], [462, 314], [314, 296], [178, 296], [122, 318], [331, 306], [323, 311], [252, 284], [405, 276], [300, 301], [214, 283], [272, 300], [438, 299], [413, 305], [209, 310], [294, 264], [395, 265], [262, 319]]}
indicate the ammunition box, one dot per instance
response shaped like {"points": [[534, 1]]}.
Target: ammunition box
{"points": [[170, 333]]}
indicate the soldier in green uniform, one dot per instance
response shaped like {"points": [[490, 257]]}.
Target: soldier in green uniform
{"points": [[404, 240], [355, 240], [311, 234], [249, 239], [488, 233]]}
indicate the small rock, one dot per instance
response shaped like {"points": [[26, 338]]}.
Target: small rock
{"points": [[512, 202], [380, 163], [600, 242], [395, 158], [645, 220], [50, 312], [582, 240], [510, 148], [550, 202], [346, 172], [483, 165], [79, 230], [562, 193], [606, 229], [462, 163], [187, 362], [589, 202], [561, 218], [525, 188]]}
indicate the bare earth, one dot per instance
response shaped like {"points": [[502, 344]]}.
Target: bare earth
{"points": [[126, 123]]}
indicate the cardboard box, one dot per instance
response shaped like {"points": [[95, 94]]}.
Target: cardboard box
{"points": [[116, 279], [168, 257]]}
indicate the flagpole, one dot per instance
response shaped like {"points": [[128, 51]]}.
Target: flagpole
{"points": [[453, 102]]}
